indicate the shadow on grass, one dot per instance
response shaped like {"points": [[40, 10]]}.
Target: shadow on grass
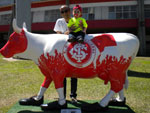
{"points": [[138, 74], [112, 109], [28, 111]]}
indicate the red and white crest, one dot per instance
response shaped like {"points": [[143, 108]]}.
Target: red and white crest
{"points": [[79, 54]]}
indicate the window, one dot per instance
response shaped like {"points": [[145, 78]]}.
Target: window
{"points": [[147, 11], [52, 15], [91, 13], [85, 13], [88, 13], [91, 16], [112, 14], [119, 12], [111, 9], [122, 12], [5, 19], [126, 12], [133, 12]]}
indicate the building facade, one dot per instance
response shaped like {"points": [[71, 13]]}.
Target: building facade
{"points": [[102, 16]]}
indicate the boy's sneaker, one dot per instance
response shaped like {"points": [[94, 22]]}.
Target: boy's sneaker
{"points": [[80, 39], [74, 100], [71, 38]]}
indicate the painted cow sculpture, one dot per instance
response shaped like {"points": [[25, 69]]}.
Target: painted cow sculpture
{"points": [[106, 56]]}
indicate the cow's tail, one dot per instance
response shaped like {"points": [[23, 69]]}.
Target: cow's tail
{"points": [[126, 81]]}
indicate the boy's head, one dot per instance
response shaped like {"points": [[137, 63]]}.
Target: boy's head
{"points": [[77, 11], [65, 11]]}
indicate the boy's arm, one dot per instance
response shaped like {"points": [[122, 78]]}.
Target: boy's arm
{"points": [[69, 26], [84, 30], [58, 32], [70, 30], [67, 32], [81, 24], [84, 25]]}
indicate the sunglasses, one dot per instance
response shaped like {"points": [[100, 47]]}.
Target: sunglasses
{"points": [[65, 11]]}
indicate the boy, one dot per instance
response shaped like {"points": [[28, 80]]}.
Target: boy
{"points": [[80, 26]]}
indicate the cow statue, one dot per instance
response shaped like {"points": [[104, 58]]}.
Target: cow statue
{"points": [[106, 56]]}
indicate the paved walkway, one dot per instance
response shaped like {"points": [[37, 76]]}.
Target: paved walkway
{"points": [[11, 59]]}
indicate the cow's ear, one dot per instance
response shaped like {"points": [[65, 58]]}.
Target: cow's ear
{"points": [[24, 26]]}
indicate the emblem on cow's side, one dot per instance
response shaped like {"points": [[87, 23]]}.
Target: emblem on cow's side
{"points": [[79, 54]]}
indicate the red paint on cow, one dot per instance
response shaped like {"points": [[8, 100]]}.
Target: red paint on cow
{"points": [[113, 70], [110, 69], [17, 43], [104, 40], [54, 68]]}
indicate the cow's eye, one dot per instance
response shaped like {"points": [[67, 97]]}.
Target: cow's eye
{"points": [[13, 39], [10, 40]]}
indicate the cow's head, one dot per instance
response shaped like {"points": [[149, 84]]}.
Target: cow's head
{"points": [[17, 42]]}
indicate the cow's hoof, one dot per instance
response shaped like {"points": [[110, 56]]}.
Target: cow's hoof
{"points": [[115, 102], [31, 101], [95, 107], [53, 106]]}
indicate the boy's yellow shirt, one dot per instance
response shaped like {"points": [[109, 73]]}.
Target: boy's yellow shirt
{"points": [[76, 21]]}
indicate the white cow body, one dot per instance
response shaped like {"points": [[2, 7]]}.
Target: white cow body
{"points": [[43, 43]]}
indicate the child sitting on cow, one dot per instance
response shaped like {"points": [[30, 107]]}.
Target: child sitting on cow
{"points": [[77, 26]]}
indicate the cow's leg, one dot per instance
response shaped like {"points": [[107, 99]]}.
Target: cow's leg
{"points": [[60, 90], [121, 96], [61, 103], [39, 99], [101, 106], [44, 87], [126, 81], [41, 93], [47, 81], [120, 100], [62, 99], [104, 102]]}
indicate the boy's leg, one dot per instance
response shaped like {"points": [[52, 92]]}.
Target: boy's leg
{"points": [[80, 37], [71, 37], [73, 87], [65, 82]]}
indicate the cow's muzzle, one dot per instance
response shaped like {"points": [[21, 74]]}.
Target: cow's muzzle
{"points": [[5, 52]]}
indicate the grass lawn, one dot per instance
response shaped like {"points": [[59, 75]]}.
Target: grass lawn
{"points": [[21, 79]]}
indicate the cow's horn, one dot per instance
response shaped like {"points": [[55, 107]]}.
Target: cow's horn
{"points": [[15, 27]]}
